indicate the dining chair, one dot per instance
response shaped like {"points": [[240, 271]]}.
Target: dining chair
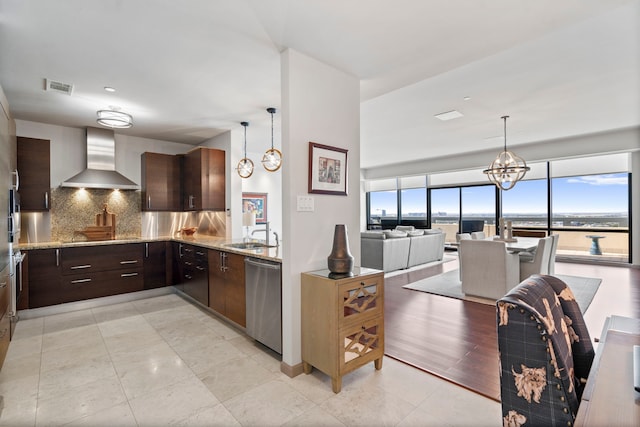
{"points": [[460, 237], [539, 263], [552, 254], [487, 269], [478, 235]]}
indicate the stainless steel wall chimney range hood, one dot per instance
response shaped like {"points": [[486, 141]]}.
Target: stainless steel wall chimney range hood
{"points": [[101, 164]]}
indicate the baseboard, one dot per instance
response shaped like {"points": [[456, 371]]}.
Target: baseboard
{"points": [[291, 371]]}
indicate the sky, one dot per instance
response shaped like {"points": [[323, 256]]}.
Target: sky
{"points": [[591, 194]]}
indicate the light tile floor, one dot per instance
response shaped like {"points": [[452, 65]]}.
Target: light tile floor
{"points": [[163, 361]]}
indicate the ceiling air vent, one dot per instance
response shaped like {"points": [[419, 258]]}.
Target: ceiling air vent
{"points": [[54, 86]]}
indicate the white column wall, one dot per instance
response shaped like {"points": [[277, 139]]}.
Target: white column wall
{"points": [[319, 104]]}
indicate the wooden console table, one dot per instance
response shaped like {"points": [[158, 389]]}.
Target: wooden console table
{"points": [[342, 322], [609, 398]]}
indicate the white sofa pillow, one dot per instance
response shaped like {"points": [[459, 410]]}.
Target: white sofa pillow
{"points": [[394, 234], [416, 233]]}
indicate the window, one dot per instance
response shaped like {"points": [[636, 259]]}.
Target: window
{"points": [[479, 203], [383, 208], [445, 211], [525, 205]]}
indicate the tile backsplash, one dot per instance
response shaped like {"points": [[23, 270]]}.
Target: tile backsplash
{"points": [[73, 209]]}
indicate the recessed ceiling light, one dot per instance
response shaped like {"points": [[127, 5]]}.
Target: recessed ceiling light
{"points": [[109, 89], [449, 115], [467, 98]]}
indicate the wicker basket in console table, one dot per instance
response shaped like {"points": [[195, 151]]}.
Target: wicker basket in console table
{"points": [[342, 322]]}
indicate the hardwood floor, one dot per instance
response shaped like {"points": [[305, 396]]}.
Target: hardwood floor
{"points": [[456, 340]]}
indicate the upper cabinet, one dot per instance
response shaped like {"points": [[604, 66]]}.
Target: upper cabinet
{"points": [[34, 169], [160, 182], [203, 180], [186, 182]]}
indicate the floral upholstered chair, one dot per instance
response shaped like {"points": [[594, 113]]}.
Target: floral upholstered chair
{"points": [[545, 353]]}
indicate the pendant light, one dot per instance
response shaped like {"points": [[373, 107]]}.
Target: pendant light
{"points": [[507, 169], [245, 166], [272, 159]]}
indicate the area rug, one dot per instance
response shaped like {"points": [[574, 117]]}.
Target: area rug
{"points": [[448, 284], [446, 258]]}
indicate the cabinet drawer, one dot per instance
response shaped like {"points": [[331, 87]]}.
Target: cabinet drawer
{"points": [[359, 299], [5, 337], [361, 343], [101, 258], [85, 285], [4, 290]]}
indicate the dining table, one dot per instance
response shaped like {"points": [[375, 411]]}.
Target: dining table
{"points": [[520, 244]]}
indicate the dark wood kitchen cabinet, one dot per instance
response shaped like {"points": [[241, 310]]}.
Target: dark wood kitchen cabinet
{"points": [[160, 182], [156, 274], [5, 321], [192, 272], [102, 270], [34, 169], [227, 294], [56, 276], [203, 180], [42, 277]]}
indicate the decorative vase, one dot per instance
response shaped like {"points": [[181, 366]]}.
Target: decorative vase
{"points": [[340, 260]]}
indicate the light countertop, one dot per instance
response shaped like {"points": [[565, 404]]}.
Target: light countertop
{"points": [[209, 242]]}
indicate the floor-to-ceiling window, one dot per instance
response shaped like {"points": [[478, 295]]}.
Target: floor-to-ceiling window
{"points": [[584, 200]]}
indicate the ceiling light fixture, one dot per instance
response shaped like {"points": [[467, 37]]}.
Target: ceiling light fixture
{"points": [[114, 118], [449, 115], [272, 159], [245, 165], [109, 89], [507, 169]]}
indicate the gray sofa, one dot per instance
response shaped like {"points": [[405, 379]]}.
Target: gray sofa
{"points": [[401, 248]]}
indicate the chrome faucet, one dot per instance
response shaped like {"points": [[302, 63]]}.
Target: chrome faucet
{"points": [[268, 232]]}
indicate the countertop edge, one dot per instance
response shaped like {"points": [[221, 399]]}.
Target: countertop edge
{"points": [[209, 242]]}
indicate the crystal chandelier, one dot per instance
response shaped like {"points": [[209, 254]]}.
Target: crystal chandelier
{"points": [[507, 169]]}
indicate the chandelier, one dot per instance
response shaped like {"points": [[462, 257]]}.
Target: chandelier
{"points": [[272, 159], [507, 169], [114, 118], [245, 165]]}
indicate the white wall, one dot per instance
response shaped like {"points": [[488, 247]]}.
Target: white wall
{"points": [[69, 152], [319, 104]]}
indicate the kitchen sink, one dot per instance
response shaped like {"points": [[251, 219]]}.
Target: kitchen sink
{"points": [[248, 245]]}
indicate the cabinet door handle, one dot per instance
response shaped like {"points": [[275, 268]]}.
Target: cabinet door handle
{"points": [[192, 202], [149, 202], [189, 263], [200, 268], [133, 261], [46, 200], [180, 249], [17, 179], [188, 276], [128, 274], [146, 250], [80, 267], [80, 281], [57, 257], [200, 253]]}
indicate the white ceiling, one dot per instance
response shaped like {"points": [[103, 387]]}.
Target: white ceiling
{"points": [[188, 70]]}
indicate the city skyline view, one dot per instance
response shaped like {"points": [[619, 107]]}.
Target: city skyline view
{"points": [[591, 195]]}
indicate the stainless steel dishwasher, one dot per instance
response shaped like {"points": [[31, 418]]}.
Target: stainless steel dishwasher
{"points": [[264, 302]]}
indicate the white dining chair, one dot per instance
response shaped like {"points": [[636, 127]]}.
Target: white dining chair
{"points": [[552, 254], [478, 235], [539, 263], [487, 269]]}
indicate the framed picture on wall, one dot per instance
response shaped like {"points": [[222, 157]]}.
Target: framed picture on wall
{"points": [[327, 169], [257, 203]]}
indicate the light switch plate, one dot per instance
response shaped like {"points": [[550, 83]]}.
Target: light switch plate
{"points": [[305, 204]]}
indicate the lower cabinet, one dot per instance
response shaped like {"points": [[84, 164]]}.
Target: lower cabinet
{"points": [[56, 276], [227, 294], [156, 274], [42, 273], [5, 321], [192, 275]]}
